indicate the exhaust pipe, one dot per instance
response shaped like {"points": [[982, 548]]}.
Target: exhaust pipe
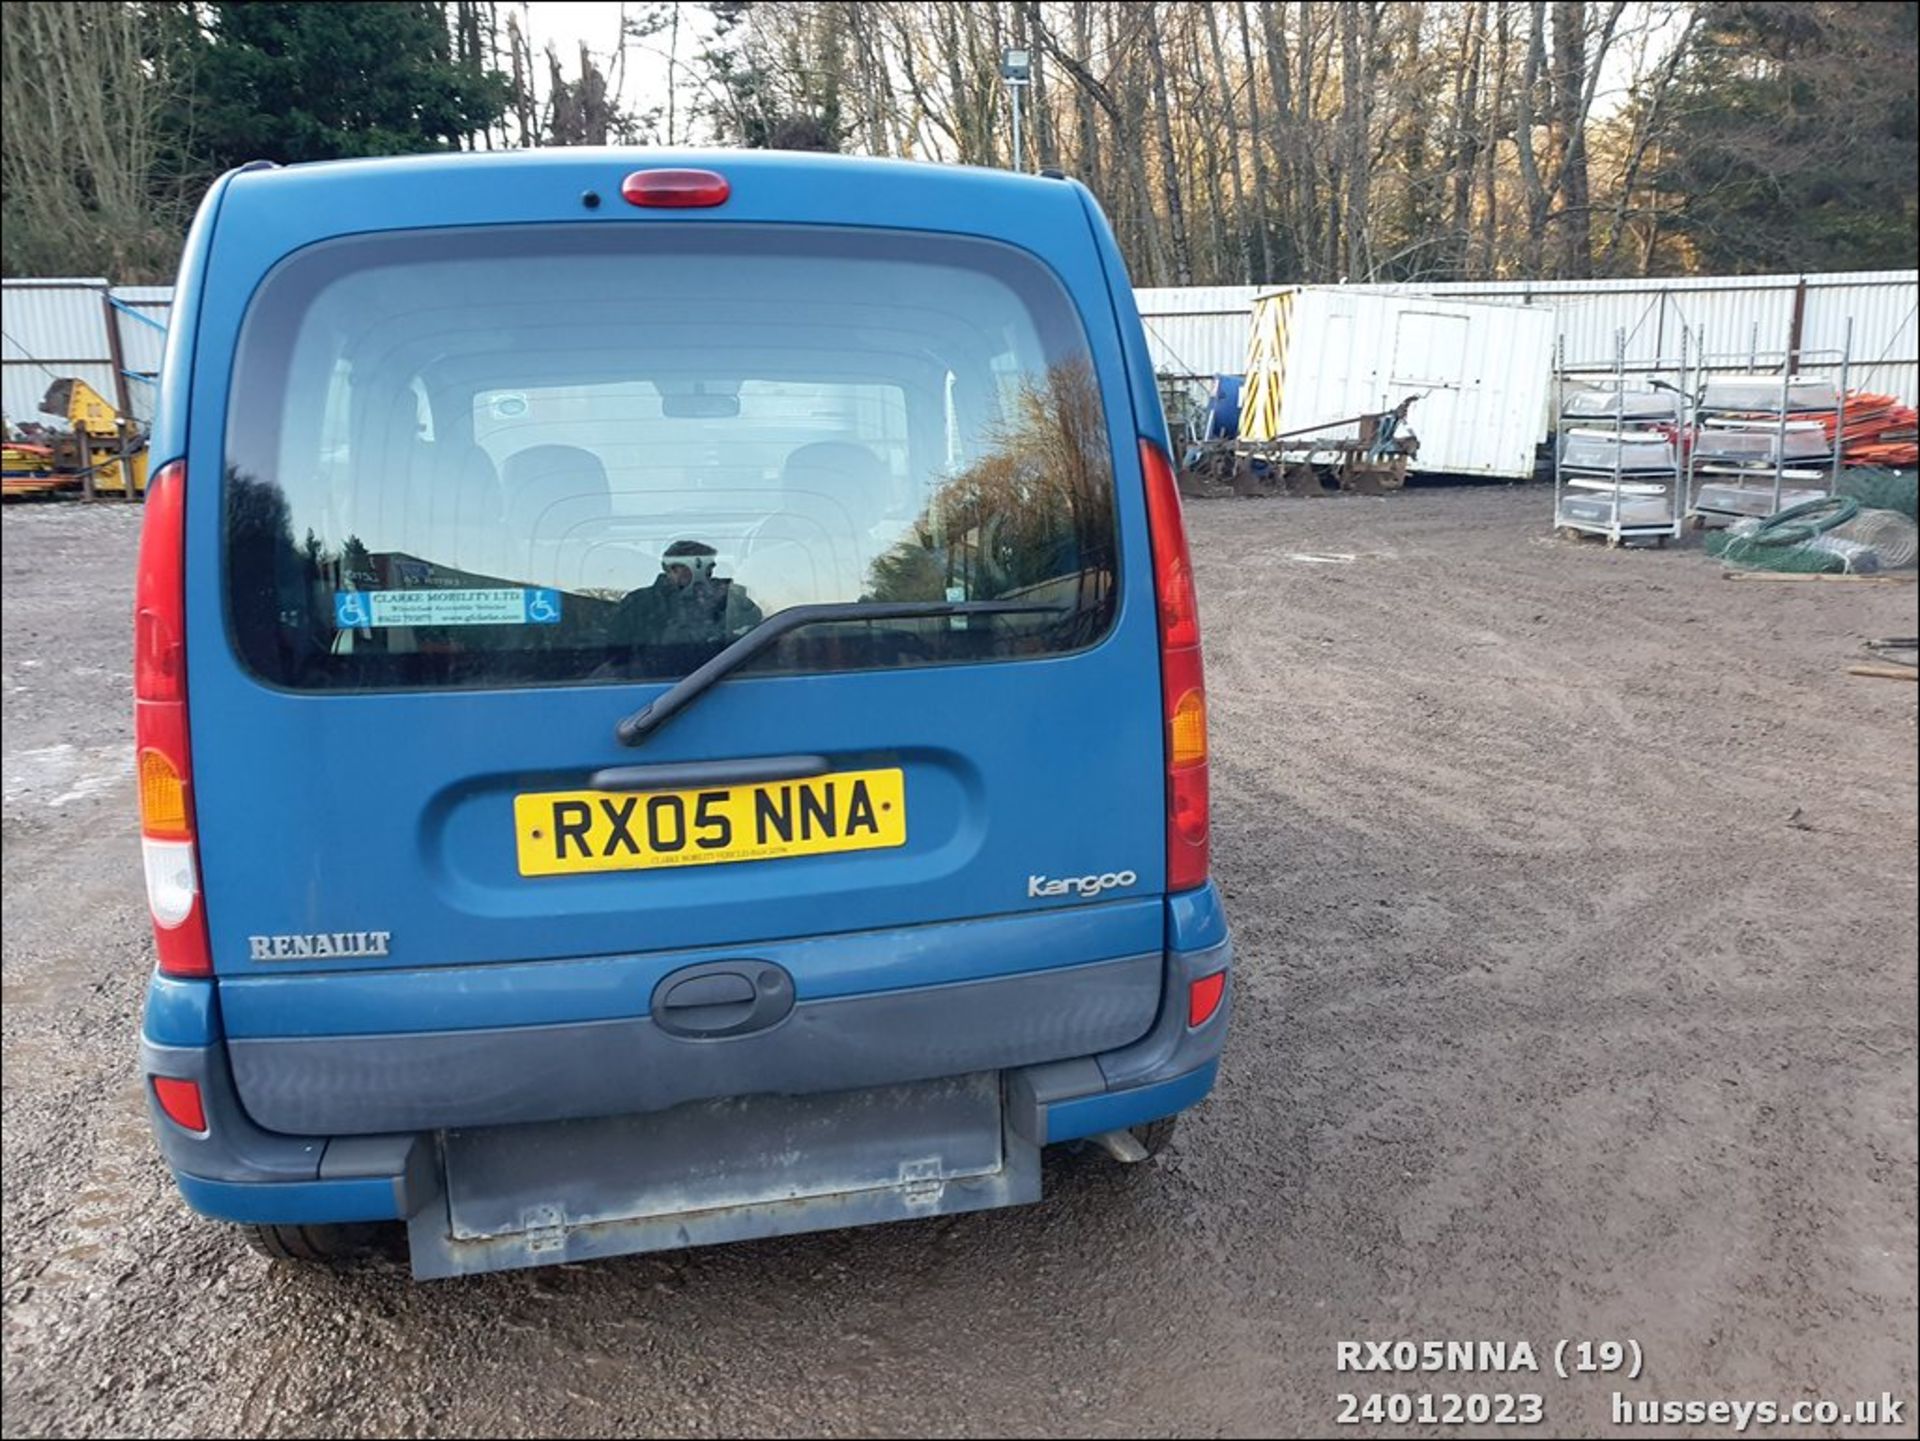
{"points": [[1123, 1146]]}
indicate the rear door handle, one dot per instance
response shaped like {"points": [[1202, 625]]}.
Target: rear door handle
{"points": [[722, 998], [687, 775]]}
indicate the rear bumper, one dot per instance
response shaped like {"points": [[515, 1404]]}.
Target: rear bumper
{"points": [[237, 1170], [342, 1085], [407, 1182]]}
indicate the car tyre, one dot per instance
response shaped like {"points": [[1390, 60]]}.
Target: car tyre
{"points": [[1155, 1136], [333, 1245]]}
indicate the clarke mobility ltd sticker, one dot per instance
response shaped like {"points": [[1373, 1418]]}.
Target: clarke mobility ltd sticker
{"points": [[364, 609]]}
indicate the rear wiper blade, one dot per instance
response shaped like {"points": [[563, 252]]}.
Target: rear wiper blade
{"points": [[649, 718]]}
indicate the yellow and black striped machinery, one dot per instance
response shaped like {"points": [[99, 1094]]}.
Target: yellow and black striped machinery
{"points": [[1266, 369], [101, 453]]}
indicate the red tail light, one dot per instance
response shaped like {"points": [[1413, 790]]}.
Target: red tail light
{"points": [[1183, 688], [160, 731], [181, 1101], [676, 189], [1203, 998]]}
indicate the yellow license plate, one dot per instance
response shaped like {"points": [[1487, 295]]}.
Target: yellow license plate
{"points": [[563, 833]]}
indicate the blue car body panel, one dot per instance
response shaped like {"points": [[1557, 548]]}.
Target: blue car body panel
{"points": [[293, 1203], [1037, 766], [446, 885]]}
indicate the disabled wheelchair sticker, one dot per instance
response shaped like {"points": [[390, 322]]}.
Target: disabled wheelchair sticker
{"points": [[372, 609]]}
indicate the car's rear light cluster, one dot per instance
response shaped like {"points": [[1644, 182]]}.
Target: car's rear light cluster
{"points": [[1182, 686], [160, 731]]}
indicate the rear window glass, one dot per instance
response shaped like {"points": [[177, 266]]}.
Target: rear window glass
{"points": [[553, 454]]}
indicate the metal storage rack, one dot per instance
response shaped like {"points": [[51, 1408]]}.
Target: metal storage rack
{"points": [[1755, 452], [1615, 473]]}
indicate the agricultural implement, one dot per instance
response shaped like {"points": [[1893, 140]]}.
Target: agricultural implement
{"points": [[1309, 461], [101, 453]]}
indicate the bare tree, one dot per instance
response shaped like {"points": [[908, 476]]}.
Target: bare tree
{"points": [[1089, 121], [520, 55], [1246, 142], [1648, 117], [1536, 189], [1357, 29], [1169, 158], [1262, 218], [1486, 259], [1570, 135], [1124, 110], [80, 141], [1464, 137], [1438, 138], [1225, 89]]}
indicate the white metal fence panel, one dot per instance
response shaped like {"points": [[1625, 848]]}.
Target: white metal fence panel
{"points": [[1198, 331], [51, 329], [143, 335], [1192, 331], [1882, 306], [54, 329]]}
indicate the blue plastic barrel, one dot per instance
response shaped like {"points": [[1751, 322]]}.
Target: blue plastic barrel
{"points": [[1223, 407]]}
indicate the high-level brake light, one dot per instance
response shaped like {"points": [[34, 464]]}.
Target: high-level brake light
{"points": [[675, 189]]}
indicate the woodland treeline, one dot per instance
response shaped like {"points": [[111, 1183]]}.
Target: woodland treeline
{"points": [[1231, 142]]}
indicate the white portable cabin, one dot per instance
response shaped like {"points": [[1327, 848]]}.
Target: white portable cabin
{"points": [[1480, 370]]}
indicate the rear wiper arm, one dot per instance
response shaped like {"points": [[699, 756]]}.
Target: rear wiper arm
{"points": [[649, 718]]}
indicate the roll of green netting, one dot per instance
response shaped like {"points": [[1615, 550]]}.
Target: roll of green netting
{"points": [[1792, 540], [1799, 523], [1878, 488], [1748, 554]]}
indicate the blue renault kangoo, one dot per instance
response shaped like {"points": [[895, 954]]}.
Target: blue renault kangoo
{"points": [[668, 705]]}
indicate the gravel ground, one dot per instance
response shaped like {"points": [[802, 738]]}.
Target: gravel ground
{"points": [[1575, 900]]}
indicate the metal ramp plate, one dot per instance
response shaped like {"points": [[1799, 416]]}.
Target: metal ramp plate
{"points": [[723, 1170]]}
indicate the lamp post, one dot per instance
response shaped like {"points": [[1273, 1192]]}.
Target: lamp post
{"points": [[1016, 68]]}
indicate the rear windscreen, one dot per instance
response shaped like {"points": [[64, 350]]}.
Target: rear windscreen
{"points": [[539, 455]]}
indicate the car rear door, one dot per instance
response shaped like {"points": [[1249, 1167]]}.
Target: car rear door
{"points": [[387, 775]]}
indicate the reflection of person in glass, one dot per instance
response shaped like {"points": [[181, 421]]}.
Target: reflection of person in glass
{"points": [[686, 604]]}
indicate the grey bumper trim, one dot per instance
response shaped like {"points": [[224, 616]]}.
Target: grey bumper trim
{"points": [[233, 1148], [1170, 1050]]}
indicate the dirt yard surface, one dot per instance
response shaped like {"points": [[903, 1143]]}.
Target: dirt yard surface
{"points": [[1574, 893]]}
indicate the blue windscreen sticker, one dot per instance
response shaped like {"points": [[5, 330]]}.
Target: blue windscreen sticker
{"points": [[372, 609]]}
